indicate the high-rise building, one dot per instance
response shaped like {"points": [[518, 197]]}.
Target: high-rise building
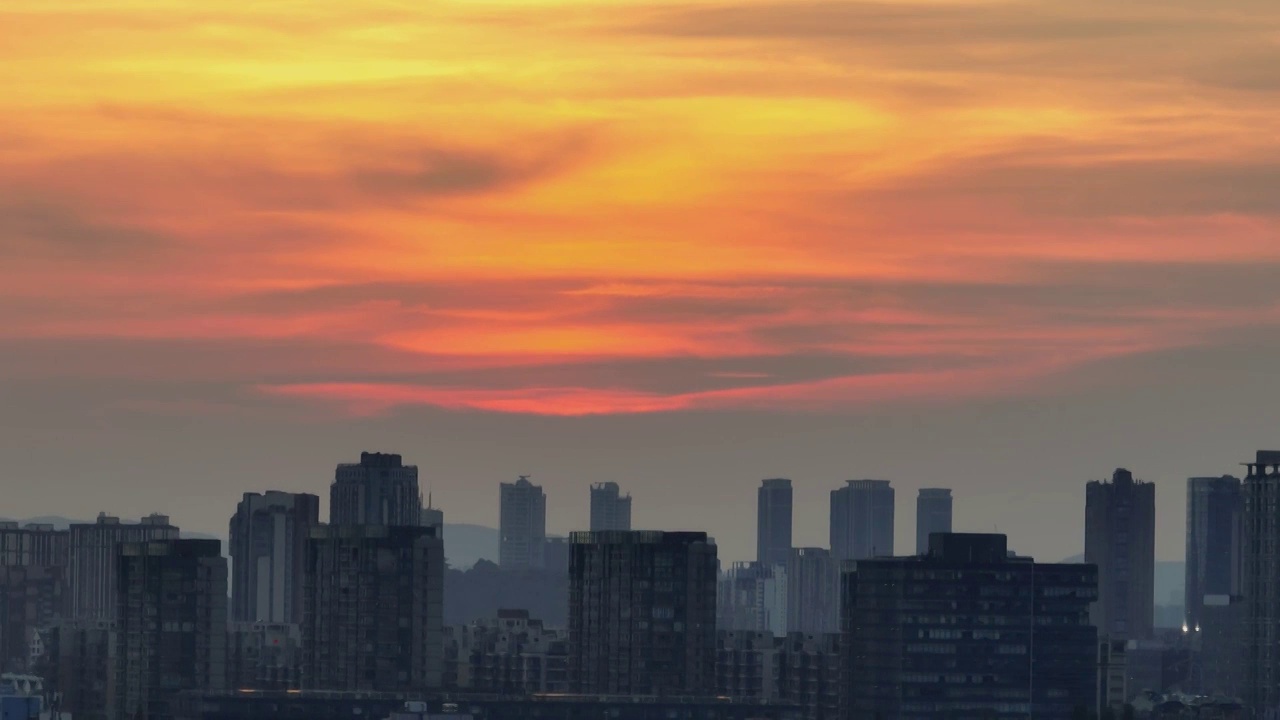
{"points": [[968, 627], [642, 613], [1120, 539], [374, 609], [522, 524], [773, 522], [610, 510], [753, 597], [933, 515], [93, 556], [433, 517], [268, 555], [862, 520], [1260, 583], [379, 490], [77, 666], [31, 597], [1214, 508], [264, 656], [33, 544], [171, 624], [813, 591]]}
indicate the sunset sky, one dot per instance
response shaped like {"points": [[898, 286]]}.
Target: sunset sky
{"points": [[1003, 246]]}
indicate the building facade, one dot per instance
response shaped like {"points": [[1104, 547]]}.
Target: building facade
{"points": [[1120, 539], [522, 525], [610, 510], [1214, 509], [33, 544], [933, 515], [1260, 583], [752, 597], [78, 663], [862, 520], [171, 625], [31, 597], [268, 552], [264, 656], [93, 553], [968, 632], [813, 591], [374, 609], [379, 490], [773, 522], [512, 654], [642, 613]]}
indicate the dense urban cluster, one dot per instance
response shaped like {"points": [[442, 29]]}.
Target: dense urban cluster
{"points": [[116, 620]]}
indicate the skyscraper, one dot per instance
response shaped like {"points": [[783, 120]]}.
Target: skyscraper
{"points": [[33, 544], [1214, 507], [967, 631], [433, 517], [773, 522], [379, 490], [753, 597], [522, 524], [1260, 575], [171, 624], [268, 555], [933, 515], [642, 613], [609, 509], [374, 618], [93, 556], [862, 520], [1120, 536], [813, 591]]}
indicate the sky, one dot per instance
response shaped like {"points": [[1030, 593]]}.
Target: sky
{"points": [[1003, 246]]}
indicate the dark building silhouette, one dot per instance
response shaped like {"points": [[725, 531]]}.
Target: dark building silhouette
{"points": [[813, 591], [773, 522], [642, 613], [92, 559], [31, 597], [610, 510], [33, 544], [511, 654], [1120, 539], [77, 665], [379, 490], [374, 609], [1214, 508], [967, 632], [1260, 577], [268, 555], [171, 624], [264, 656], [522, 524], [862, 520], [933, 515]]}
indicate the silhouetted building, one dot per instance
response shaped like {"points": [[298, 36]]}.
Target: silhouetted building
{"points": [[264, 656], [268, 555], [374, 608], [33, 544], [555, 554], [862, 520], [93, 554], [746, 665], [642, 613], [511, 654], [753, 597], [1113, 693], [379, 490], [813, 591], [1222, 638], [933, 515], [1260, 581], [31, 597], [171, 624], [773, 522], [522, 525], [968, 631], [77, 664], [1214, 508], [433, 517], [1120, 538], [610, 510]]}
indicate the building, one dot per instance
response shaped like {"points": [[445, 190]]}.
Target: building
{"points": [[171, 624], [522, 525], [33, 544], [379, 490], [753, 597], [1214, 508], [511, 654], [1120, 537], [77, 664], [862, 520], [268, 550], [1113, 693], [1260, 582], [808, 673], [433, 517], [555, 555], [92, 560], [964, 628], [773, 522], [374, 608], [642, 613], [264, 656], [813, 591], [746, 665], [1221, 652], [31, 597], [609, 509], [933, 515]]}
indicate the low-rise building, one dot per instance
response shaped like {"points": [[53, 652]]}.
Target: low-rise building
{"points": [[509, 654], [264, 656]]}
